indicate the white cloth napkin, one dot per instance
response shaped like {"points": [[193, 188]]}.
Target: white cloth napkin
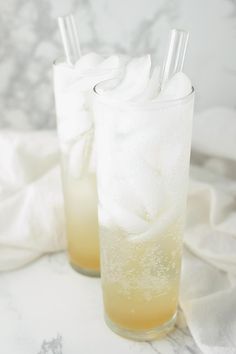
{"points": [[31, 212], [32, 219], [208, 289]]}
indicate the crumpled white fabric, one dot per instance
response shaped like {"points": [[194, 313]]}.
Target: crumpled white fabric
{"points": [[208, 287], [32, 219], [31, 203]]}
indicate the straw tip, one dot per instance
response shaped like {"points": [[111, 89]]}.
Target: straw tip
{"points": [[65, 17], [180, 31]]}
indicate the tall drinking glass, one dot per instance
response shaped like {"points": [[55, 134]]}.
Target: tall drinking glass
{"points": [[143, 155], [76, 138]]}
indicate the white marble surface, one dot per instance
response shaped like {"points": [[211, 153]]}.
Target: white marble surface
{"points": [[30, 41], [48, 308]]}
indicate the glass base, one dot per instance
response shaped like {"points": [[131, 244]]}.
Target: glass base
{"points": [[88, 272], [143, 335]]}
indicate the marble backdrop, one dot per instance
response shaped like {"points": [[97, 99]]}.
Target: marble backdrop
{"points": [[30, 41]]}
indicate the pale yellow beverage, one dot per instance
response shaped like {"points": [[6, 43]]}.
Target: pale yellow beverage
{"points": [[82, 222], [80, 202], [141, 281]]}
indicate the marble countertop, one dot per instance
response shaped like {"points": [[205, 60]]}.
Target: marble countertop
{"points": [[48, 308]]}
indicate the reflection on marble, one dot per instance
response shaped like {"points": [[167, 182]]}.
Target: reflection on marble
{"points": [[47, 307], [30, 41]]}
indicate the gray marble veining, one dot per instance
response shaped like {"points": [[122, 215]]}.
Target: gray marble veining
{"points": [[30, 41], [54, 346]]}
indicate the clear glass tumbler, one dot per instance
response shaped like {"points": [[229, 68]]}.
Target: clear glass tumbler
{"points": [[143, 153], [75, 127]]}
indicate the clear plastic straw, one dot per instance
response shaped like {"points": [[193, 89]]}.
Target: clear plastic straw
{"points": [[70, 39], [174, 60]]}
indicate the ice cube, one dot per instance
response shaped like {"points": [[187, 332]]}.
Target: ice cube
{"points": [[170, 155], [143, 143], [73, 122], [80, 155], [92, 159], [110, 197], [124, 197], [160, 225], [109, 63], [87, 62], [135, 79], [76, 158], [105, 220], [177, 87], [152, 88], [146, 183], [130, 122], [63, 76], [86, 72], [129, 222], [68, 103]]}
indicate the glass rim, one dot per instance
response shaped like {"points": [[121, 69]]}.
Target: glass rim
{"points": [[152, 104]]}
